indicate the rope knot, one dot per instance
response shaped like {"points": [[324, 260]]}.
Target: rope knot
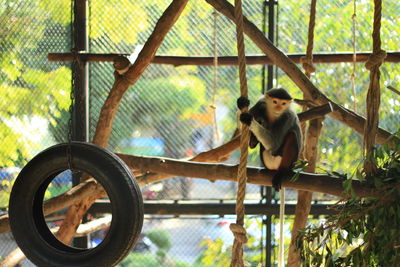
{"points": [[213, 107], [307, 63], [375, 59], [239, 232]]}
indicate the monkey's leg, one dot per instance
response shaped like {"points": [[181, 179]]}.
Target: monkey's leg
{"points": [[289, 156], [269, 161]]}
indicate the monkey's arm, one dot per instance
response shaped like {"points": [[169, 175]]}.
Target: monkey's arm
{"points": [[259, 134], [253, 140], [263, 135]]}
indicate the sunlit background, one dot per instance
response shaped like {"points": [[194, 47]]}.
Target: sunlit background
{"points": [[167, 112]]}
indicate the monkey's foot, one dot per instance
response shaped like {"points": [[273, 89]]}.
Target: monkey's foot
{"points": [[276, 185], [277, 181]]}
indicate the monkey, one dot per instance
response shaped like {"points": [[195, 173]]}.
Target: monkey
{"points": [[277, 128]]}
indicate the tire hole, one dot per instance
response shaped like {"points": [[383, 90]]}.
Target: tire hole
{"points": [[94, 226]]}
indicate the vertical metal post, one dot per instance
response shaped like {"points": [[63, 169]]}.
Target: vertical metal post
{"points": [[266, 191], [80, 117], [264, 29], [271, 37], [80, 120]]}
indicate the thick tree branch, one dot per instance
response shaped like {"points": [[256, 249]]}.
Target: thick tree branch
{"points": [[340, 113], [83, 190], [91, 226], [123, 82], [13, 258], [304, 198], [338, 57], [210, 171], [223, 152], [393, 89], [16, 256]]}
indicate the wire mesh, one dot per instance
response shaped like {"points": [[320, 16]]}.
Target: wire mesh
{"points": [[167, 112]]}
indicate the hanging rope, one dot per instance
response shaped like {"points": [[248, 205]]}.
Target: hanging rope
{"points": [[237, 229], [373, 96], [307, 61], [353, 75], [215, 85], [281, 248]]}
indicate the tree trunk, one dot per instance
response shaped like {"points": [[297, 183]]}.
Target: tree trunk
{"points": [[304, 198]]}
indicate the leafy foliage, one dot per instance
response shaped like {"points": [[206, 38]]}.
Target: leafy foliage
{"points": [[160, 238], [147, 259], [137, 260], [217, 254], [29, 89], [5, 187], [163, 242], [366, 231]]}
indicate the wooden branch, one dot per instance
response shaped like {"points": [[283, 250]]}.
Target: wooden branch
{"points": [[83, 190], [90, 227], [16, 256], [4, 224], [304, 103], [308, 182], [304, 198], [210, 171], [13, 258], [393, 57], [391, 88], [217, 154], [164, 24], [316, 112], [223, 152], [123, 82], [348, 117]]}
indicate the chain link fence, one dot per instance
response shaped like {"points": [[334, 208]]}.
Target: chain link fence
{"points": [[167, 112]]}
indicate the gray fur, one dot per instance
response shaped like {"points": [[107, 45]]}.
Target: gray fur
{"points": [[272, 135]]}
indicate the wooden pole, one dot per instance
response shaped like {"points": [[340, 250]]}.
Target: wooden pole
{"points": [[319, 58], [322, 183], [310, 148]]}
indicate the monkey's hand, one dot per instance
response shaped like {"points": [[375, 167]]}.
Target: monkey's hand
{"points": [[246, 118], [243, 102]]}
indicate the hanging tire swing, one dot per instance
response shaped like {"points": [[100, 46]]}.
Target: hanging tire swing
{"points": [[27, 219]]}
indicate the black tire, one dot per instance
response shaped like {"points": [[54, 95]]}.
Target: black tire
{"points": [[28, 224]]}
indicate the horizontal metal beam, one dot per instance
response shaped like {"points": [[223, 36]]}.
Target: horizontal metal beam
{"points": [[393, 57], [177, 209]]}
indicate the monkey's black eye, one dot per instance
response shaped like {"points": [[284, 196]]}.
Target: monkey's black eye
{"points": [[275, 102], [283, 103]]}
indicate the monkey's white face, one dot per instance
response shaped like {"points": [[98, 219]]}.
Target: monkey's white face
{"points": [[277, 106]]}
